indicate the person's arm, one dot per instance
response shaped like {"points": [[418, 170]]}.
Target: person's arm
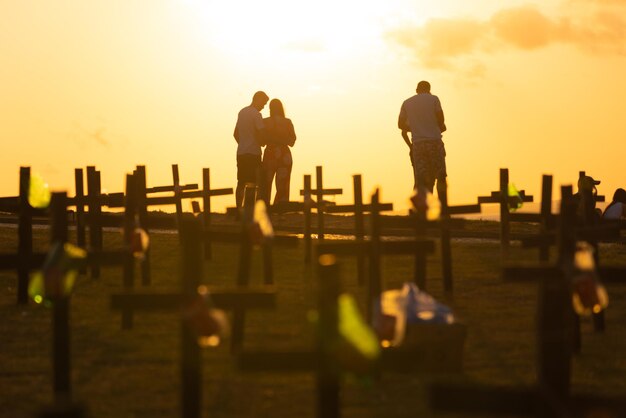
{"points": [[236, 134], [405, 136], [440, 118], [441, 121], [260, 131], [402, 121], [291, 136]]}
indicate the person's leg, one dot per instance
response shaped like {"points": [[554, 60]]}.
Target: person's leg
{"points": [[422, 166], [283, 175], [240, 182], [247, 168], [417, 163], [269, 165], [442, 191], [413, 167], [441, 174]]}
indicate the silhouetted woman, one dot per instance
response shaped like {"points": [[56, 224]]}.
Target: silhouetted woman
{"points": [[617, 208], [277, 162]]}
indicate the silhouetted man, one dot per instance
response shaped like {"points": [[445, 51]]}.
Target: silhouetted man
{"points": [[249, 134], [422, 115]]}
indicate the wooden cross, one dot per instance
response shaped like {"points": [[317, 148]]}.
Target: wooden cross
{"points": [[375, 248], [319, 192], [445, 226], [190, 192], [323, 360], [504, 200], [359, 209], [590, 233], [97, 219], [25, 260], [551, 396], [419, 223], [246, 245], [61, 362], [190, 356]]}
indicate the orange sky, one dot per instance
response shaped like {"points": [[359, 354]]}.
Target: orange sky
{"points": [[536, 87]]}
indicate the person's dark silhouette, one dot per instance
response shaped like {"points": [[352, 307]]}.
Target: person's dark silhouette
{"points": [[250, 136], [277, 161], [422, 115], [617, 208]]}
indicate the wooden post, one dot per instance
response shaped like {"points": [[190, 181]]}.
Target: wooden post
{"points": [[266, 246], [94, 218], [206, 212], [191, 272], [446, 248], [142, 207], [359, 225], [375, 279], [328, 386], [555, 313], [245, 260], [320, 202], [25, 237], [551, 396], [263, 187], [420, 259], [504, 212], [60, 306], [191, 358], [80, 208], [546, 212], [307, 218], [177, 193], [589, 219], [129, 227]]}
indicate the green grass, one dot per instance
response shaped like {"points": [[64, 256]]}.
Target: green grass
{"points": [[135, 373]]}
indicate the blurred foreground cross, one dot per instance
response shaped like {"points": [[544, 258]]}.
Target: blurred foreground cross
{"points": [[551, 395], [192, 272]]}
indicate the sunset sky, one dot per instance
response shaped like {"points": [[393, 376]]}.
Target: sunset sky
{"points": [[538, 87]]}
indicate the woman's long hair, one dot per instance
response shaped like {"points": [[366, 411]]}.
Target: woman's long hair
{"points": [[619, 196], [276, 108]]}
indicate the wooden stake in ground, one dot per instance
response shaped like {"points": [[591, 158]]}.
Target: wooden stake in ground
{"points": [[25, 260], [505, 201], [359, 209], [192, 272], [551, 396]]}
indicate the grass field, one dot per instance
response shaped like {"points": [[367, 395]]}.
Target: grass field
{"points": [[135, 373]]}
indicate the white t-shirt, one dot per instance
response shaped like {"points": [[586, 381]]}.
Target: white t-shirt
{"points": [[420, 113], [615, 211], [249, 121]]}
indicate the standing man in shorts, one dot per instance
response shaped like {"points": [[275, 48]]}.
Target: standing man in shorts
{"points": [[422, 115], [250, 136]]}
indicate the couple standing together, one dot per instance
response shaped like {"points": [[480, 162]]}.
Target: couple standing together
{"points": [[420, 114], [277, 134]]}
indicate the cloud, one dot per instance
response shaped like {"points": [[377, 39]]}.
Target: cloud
{"points": [[523, 28], [440, 43]]}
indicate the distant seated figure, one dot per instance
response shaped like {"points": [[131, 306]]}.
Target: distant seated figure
{"points": [[586, 200], [617, 208]]}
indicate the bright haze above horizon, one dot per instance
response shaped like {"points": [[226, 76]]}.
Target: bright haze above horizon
{"points": [[533, 86]]}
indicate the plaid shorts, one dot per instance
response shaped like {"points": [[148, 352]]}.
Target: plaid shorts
{"points": [[429, 160]]}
